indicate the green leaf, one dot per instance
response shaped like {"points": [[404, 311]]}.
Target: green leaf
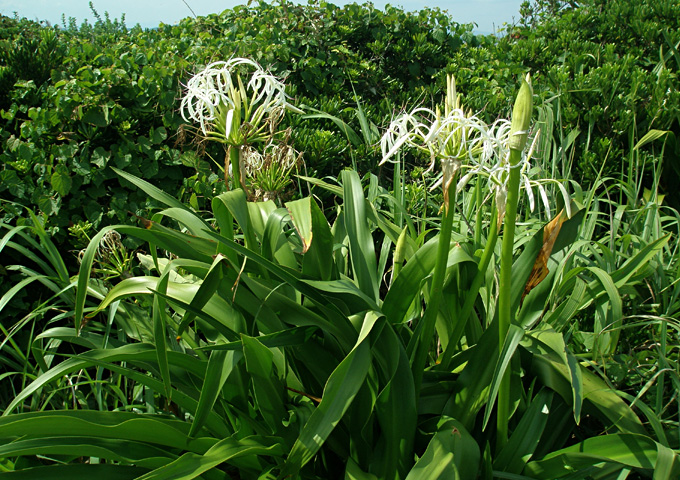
{"points": [[159, 320], [339, 325], [211, 308], [193, 222], [334, 189], [191, 465], [408, 283], [348, 292], [318, 261], [526, 435], [154, 192], [206, 295], [512, 339], [341, 388], [470, 387], [61, 181], [549, 366], [397, 424], [452, 454], [220, 365], [236, 203], [84, 274], [77, 472], [275, 244], [317, 239], [362, 252], [624, 449], [118, 426], [353, 472], [344, 128], [132, 452], [301, 216], [285, 338], [97, 116], [158, 135], [649, 137], [269, 390]]}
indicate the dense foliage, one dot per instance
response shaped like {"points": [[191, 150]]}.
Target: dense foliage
{"points": [[384, 321], [78, 99], [611, 70]]}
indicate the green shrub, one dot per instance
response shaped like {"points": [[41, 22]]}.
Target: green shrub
{"points": [[613, 65]]}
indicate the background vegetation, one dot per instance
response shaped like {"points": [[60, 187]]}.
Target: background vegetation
{"points": [[326, 333]]}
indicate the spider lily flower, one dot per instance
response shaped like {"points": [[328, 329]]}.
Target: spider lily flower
{"points": [[499, 173], [230, 111], [467, 145], [457, 138]]}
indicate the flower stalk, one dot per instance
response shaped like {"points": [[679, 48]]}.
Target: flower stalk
{"points": [[436, 289], [471, 295], [521, 118]]}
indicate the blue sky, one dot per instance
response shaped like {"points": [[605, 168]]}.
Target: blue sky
{"points": [[487, 14]]}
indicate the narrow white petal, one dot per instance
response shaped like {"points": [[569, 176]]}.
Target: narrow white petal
{"points": [[544, 197]]}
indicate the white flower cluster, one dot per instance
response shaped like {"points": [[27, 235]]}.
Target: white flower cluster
{"points": [[464, 143], [216, 97]]}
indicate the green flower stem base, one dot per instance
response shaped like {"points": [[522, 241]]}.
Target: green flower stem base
{"points": [[234, 161], [504, 295], [471, 296], [436, 288]]}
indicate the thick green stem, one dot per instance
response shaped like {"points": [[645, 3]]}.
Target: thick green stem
{"points": [[234, 161], [397, 187], [478, 216], [505, 291], [471, 295], [436, 288]]}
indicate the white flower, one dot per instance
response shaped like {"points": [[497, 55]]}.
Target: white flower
{"points": [[464, 143], [456, 138], [499, 173], [229, 111]]}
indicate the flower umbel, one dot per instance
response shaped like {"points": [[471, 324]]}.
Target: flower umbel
{"points": [[230, 111], [465, 144], [233, 113], [457, 138], [270, 172]]}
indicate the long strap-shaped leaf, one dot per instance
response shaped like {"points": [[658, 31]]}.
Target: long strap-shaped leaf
{"points": [[213, 309], [185, 246], [220, 365], [361, 248], [152, 191], [394, 406], [77, 472], [191, 465], [452, 454], [131, 452], [268, 388], [341, 388], [625, 449], [526, 436], [550, 367], [118, 426], [409, 282], [510, 343], [346, 332]]}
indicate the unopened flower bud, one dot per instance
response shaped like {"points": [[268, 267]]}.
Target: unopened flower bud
{"points": [[521, 116]]}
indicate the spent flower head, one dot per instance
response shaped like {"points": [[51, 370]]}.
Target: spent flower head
{"points": [[270, 171]]}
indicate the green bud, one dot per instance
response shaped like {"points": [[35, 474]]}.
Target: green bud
{"points": [[521, 116]]}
